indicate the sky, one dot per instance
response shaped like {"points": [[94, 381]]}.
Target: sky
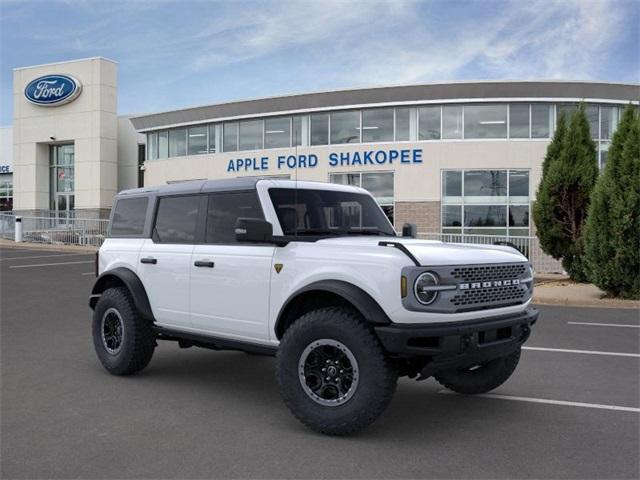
{"points": [[176, 54]]}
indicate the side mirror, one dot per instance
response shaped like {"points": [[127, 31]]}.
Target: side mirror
{"points": [[410, 230], [254, 230]]}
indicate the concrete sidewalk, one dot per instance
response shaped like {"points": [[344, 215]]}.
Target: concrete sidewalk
{"points": [[565, 292]]}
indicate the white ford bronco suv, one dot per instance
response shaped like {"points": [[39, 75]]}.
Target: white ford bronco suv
{"points": [[314, 274]]}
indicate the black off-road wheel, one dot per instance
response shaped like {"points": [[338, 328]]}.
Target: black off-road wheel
{"points": [[124, 341], [480, 378], [332, 372]]}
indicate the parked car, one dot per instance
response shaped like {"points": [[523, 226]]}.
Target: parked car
{"points": [[314, 274]]}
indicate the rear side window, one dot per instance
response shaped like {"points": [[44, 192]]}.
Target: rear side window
{"points": [[128, 217], [223, 212], [176, 219]]}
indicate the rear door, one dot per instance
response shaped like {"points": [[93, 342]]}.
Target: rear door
{"points": [[165, 259], [230, 280]]}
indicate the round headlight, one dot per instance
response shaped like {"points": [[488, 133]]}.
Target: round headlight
{"points": [[423, 288]]}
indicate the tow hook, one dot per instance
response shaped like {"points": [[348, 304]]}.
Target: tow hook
{"points": [[465, 341]]}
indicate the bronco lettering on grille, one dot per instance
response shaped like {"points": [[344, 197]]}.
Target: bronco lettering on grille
{"points": [[495, 283]]}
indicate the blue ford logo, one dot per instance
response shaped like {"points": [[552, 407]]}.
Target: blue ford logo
{"points": [[52, 90]]}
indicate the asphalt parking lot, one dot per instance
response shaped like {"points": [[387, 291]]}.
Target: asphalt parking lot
{"points": [[571, 410]]}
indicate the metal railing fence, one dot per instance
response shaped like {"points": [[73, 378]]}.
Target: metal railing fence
{"points": [[7, 226], [56, 230], [92, 232], [529, 246]]}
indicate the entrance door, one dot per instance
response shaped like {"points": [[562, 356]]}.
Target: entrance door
{"points": [[62, 181]]}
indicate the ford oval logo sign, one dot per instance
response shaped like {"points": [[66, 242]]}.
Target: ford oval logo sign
{"points": [[53, 90]]}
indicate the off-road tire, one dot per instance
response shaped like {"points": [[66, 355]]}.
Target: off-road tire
{"points": [[138, 341], [377, 376], [482, 379]]}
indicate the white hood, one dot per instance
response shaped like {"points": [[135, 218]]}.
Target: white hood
{"points": [[431, 252]]}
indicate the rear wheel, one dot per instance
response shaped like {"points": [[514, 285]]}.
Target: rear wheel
{"points": [[332, 372], [124, 342], [480, 378]]}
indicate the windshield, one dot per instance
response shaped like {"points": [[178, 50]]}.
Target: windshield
{"points": [[328, 212]]}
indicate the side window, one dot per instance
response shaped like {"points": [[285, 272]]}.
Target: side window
{"points": [[223, 212], [176, 219], [128, 217]]}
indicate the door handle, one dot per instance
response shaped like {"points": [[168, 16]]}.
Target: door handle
{"points": [[204, 263], [150, 260]]}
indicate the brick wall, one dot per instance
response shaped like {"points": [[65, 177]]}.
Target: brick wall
{"points": [[426, 215]]}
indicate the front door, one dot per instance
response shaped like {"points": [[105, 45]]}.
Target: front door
{"points": [[230, 280], [62, 181], [164, 260]]}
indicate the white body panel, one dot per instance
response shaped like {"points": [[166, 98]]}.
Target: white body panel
{"points": [[167, 282], [232, 298], [119, 252], [377, 271]]}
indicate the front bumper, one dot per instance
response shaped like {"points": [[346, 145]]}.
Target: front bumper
{"points": [[446, 346]]}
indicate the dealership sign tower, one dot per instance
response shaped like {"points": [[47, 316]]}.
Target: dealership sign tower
{"points": [[65, 139]]}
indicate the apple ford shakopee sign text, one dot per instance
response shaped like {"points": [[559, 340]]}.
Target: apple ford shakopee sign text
{"points": [[53, 90]]}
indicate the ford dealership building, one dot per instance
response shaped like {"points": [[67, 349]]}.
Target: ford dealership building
{"points": [[450, 157]]}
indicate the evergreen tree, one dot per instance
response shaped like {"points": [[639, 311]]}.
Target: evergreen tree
{"points": [[612, 233], [564, 194], [555, 147], [548, 231]]}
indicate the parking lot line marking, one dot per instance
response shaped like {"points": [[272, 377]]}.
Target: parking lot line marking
{"points": [[50, 264], [589, 352], [88, 273], [547, 401], [45, 256], [604, 324]]}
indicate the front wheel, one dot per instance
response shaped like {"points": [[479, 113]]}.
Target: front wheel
{"points": [[332, 373], [480, 378]]}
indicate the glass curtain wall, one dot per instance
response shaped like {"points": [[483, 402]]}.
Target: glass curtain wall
{"points": [[385, 124]]}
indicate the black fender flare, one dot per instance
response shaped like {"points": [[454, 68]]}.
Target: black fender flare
{"points": [[361, 300], [131, 281]]}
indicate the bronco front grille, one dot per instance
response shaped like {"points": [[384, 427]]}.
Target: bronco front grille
{"points": [[495, 296], [479, 273], [466, 288]]}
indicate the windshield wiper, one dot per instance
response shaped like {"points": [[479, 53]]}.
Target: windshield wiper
{"points": [[314, 231]]}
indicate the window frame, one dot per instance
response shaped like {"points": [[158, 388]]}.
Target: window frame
{"points": [[186, 140], [198, 237], [209, 196], [363, 128], [358, 128], [256, 121], [143, 233], [266, 132], [206, 134], [507, 204]]}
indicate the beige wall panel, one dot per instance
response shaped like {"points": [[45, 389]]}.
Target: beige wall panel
{"points": [[89, 122]]}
